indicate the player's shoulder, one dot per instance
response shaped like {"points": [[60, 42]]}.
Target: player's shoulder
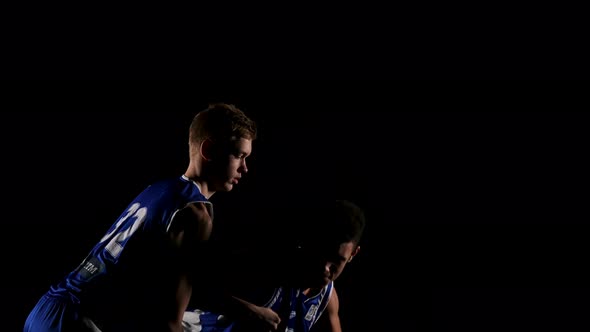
{"points": [[161, 189], [201, 209], [198, 212], [193, 220], [175, 189], [166, 183]]}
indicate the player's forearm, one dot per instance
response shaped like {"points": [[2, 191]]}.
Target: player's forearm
{"points": [[220, 301], [175, 326], [236, 307], [335, 324]]}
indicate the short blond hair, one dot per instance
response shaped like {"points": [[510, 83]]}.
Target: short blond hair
{"points": [[221, 122]]}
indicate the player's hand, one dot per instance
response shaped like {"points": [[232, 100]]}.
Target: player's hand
{"points": [[258, 318], [263, 319]]}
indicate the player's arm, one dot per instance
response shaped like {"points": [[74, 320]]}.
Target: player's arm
{"points": [[332, 312], [255, 317], [189, 230]]}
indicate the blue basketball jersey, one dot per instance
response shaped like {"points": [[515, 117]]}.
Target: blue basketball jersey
{"points": [[150, 212], [302, 311]]}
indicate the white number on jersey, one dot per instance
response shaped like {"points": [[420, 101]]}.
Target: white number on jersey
{"points": [[114, 247]]}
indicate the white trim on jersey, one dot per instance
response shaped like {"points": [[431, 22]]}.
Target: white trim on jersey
{"points": [[324, 306], [208, 205]]}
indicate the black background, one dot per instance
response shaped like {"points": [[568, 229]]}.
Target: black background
{"points": [[475, 193], [405, 40]]}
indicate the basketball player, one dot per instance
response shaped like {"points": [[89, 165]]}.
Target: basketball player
{"points": [[142, 266], [301, 289]]}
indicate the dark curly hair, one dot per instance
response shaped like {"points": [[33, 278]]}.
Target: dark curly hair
{"points": [[332, 222]]}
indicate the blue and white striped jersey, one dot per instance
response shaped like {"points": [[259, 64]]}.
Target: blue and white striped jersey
{"points": [[303, 311]]}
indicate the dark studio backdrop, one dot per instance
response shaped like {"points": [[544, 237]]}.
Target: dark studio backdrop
{"points": [[475, 194]]}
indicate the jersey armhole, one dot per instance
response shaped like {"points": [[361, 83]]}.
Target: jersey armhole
{"points": [[208, 205]]}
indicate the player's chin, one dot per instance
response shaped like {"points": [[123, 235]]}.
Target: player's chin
{"points": [[321, 282], [228, 186]]}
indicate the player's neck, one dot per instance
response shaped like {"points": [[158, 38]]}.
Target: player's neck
{"points": [[202, 185], [311, 291]]}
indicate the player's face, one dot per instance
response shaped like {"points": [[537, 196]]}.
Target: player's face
{"points": [[326, 263], [336, 261], [232, 164]]}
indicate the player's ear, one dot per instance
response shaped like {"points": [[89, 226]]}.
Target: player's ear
{"points": [[206, 149], [356, 251]]}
